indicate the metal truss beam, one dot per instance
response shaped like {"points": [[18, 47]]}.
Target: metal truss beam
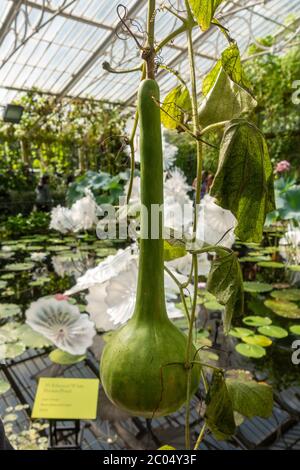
{"points": [[95, 56], [8, 20]]}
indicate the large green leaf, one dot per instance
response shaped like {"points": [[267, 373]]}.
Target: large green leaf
{"points": [[257, 287], [273, 331], [287, 294], [283, 308], [225, 101], [219, 412], [250, 398], [204, 11], [176, 105], [231, 65], [172, 252], [244, 180], [250, 350], [225, 281]]}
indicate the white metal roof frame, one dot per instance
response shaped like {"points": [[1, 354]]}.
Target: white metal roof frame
{"points": [[58, 46]]}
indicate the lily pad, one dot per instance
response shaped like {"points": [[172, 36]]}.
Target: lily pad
{"points": [[287, 294], [273, 331], [257, 287], [295, 329], [240, 332], [9, 310], [253, 320], [294, 267], [250, 350], [31, 338], [4, 386], [3, 284], [260, 340], [19, 267], [283, 308], [13, 350], [61, 357], [271, 264]]}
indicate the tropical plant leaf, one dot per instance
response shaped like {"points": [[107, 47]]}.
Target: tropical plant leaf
{"points": [[257, 287], [260, 340], [204, 11], [176, 105], [250, 350], [250, 398], [283, 308], [225, 101], [231, 62], [219, 412], [225, 282], [62, 357], [173, 251], [244, 180]]}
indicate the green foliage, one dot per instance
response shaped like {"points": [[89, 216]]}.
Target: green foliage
{"points": [[219, 412], [176, 106], [225, 281], [204, 11], [106, 188], [272, 77], [17, 225], [244, 180], [64, 358]]}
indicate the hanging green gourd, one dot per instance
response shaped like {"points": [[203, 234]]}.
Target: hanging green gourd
{"points": [[143, 365]]}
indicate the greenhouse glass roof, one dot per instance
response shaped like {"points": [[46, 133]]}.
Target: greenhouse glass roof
{"points": [[58, 46]]}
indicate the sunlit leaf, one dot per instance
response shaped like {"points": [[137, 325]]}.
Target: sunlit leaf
{"points": [[239, 332], [260, 340], [295, 329], [273, 331], [257, 287], [287, 294], [226, 283], [253, 320], [176, 105], [4, 386], [204, 11], [61, 357], [283, 308], [219, 412], [244, 180], [250, 350], [173, 251]]}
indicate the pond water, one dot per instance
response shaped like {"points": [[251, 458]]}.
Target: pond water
{"points": [[36, 266]]}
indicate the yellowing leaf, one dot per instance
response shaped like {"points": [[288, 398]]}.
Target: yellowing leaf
{"points": [[204, 11], [176, 105]]}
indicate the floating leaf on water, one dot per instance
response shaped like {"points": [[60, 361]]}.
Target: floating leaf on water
{"points": [[61, 357], [273, 331], [258, 287], [4, 386], [294, 267], [57, 248], [7, 255], [254, 259], [295, 329], [13, 350], [253, 320], [287, 294], [250, 350], [3, 284], [166, 448], [240, 332], [9, 310], [31, 338], [19, 267], [283, 308], [260, 340], [250, 398], [10, 418], [8, 276], [271, 264]]}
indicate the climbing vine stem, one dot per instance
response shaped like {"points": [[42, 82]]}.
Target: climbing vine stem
{"points": [[197, 131]]}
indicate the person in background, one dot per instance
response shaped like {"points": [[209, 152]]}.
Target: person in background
{"points": [[43, 196]]}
